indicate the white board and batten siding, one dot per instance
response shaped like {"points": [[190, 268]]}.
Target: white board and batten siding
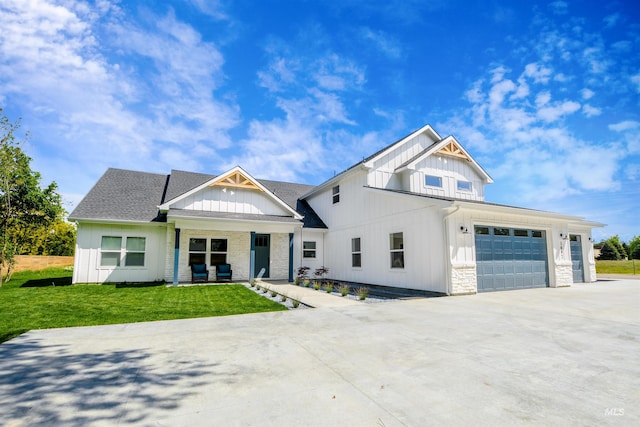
{"points": [[87, 264], [382, 174], [373, 216], [451, 170], [231, 200]]}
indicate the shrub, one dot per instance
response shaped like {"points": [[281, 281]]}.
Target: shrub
{"points": [[344, 290], [316, 285], [328, 287], [273, 294], [252, 283], [265, 289], [362, 293], [283, 298], [295, 303]]}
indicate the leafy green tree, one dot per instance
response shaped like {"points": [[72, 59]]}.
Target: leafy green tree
{"points": [[609, 252], [634, 248], [24, 205], [615, 242]]}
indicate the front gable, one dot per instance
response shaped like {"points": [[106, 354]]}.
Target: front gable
{"points": [[233, 192]]}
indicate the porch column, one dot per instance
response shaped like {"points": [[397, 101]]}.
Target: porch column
{"points": [[290, 257], [176, 257], [252, 257]]}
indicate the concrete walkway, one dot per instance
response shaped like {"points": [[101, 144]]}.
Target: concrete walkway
{"points": [[310, 296], [566, 356]]}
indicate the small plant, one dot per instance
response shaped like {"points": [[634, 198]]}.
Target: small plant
{"points": [[297, 281], [362, 293], [344, 290], [273, 294], [265, 289], [307, 283], [328, 287], [283, 298], [321, 272], [258, 287], [316, 285], [302, 273], [295, 302], [252, 283]]}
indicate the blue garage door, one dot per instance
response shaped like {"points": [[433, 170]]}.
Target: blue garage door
{"points": [[576, 258], [510, 258]]}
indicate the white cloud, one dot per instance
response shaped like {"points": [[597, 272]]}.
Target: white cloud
{"points": [[558, 110], [587, 93], [591, 111], [611, 20], [636, 80], [624, 125], [559, 7], [539, 73], [383, 42]]}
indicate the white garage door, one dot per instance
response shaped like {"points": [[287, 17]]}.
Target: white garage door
{"points": [[510, 258]]}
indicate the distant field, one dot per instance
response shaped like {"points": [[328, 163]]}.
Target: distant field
{"points": [[618, 267]]}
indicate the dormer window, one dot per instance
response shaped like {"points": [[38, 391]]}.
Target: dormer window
{"points": [[464, 186], [336, 194], [433, 181]]}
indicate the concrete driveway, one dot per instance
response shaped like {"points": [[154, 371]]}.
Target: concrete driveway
{"points": [[567, 356]]}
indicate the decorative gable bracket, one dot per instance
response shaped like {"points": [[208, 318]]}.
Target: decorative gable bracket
{"points": [[237, 179], [452, 149]]}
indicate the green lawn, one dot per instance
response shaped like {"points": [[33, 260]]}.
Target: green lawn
{"points": [[31, 301], [618, 267]]}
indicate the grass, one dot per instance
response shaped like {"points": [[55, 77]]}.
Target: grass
{"points": [[30, 301], [618, 267]]}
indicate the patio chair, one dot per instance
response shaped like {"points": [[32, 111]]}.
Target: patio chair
{"points": [[223, 272], [199, 273]]}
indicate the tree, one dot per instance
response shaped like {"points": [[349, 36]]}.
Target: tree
{"points": [[616, 243], [634, 248], [609, 252], [25, 207]]}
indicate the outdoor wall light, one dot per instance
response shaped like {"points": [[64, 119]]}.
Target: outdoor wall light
{"points": [[464, 229]]}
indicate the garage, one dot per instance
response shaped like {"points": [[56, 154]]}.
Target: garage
{"points": [[510, 258]]}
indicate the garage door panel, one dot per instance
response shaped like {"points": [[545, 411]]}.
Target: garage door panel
{"points": [[510, 259]]}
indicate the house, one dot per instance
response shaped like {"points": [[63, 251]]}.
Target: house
{"points": [[412, 215]]}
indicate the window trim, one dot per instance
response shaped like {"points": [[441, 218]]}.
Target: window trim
{"points": [[427, 184], [122, 252], [356, 253], [335, 194], [393, 251], [307, 251], [466, 190]]}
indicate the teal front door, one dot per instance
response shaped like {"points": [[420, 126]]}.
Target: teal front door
{"points": [[263, 255]]}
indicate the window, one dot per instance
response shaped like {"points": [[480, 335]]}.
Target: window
{"points": [[464, 186], [336, 194], [501, 231], [110, 249], [537, 234], [482, 230], [433, 181], [197, 251], [309, 249], [218, 251], [396, 246], [134, 256], [356, 253], [521, 233]]}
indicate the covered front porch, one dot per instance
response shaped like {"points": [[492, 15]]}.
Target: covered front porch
{"points": [[253, 249]]}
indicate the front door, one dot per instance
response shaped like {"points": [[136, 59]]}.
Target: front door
{"points": [[263, 256]]}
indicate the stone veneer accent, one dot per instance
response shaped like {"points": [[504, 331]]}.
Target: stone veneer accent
{"points": [[564, 275], [464, 280]]}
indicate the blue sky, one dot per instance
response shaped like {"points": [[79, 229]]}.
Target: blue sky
{"points": [[545, 95]]}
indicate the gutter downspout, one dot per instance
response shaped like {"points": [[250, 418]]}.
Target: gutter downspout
{"points": [[448, 247]]}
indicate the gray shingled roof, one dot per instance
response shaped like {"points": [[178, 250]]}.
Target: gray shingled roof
{"points": [[123, 195], [126, 195]]}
